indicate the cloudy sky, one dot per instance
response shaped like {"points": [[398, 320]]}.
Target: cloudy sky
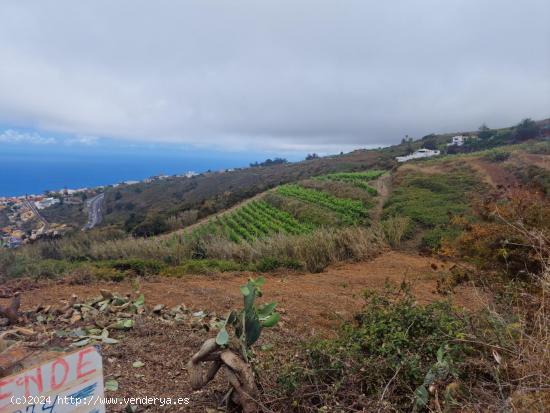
{"points": [[284, 75]]}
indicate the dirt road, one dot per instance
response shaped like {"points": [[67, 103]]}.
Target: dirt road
{"points": [[312, 303]]}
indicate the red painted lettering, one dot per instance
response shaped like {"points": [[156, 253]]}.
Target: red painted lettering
{"points": [[81, 363], [4, 395], [36, 379], [53, 380]]}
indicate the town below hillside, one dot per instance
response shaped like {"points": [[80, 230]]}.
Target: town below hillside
{"points": [[165, 203], [22, 218]]}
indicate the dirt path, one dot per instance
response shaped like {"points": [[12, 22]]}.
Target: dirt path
{"points": [[383, 187], [311, 303], [492, 173]]}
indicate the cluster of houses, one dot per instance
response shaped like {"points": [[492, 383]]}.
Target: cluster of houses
{"points": [[20, 217], [24, 221], [427, 153], [161, 177]]}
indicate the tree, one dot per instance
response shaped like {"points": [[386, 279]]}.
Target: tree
{"points": [[526, 129], [269, 162], [484, 132], [311, 156], [429, 142]]}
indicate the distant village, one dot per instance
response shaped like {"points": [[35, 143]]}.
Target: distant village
{"points": [[24, 220], [21, 221], [427, 153]]}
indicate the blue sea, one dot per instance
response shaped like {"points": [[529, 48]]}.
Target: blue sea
{"points": [[33, 170]]}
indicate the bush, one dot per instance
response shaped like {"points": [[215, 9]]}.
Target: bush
{"points": [[387, 353], [526, 129], [396, 229], [204, 267], [496, 156], [151, 226], [539, 148], [270, 264], [434, 238], [509, 235], [138, 266], [48, 269]]}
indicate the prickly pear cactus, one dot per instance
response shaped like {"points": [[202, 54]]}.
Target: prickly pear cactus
{"points": [[247, 324]]}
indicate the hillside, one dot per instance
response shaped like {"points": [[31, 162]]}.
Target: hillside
{"points": [[400, 287], [165, 205], [171, 203]]}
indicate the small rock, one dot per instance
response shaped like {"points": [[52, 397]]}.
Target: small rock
{"points": [[158, 308], [107, 295]]}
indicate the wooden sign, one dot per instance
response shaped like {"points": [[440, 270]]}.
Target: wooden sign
{"points": [[72, 382]]}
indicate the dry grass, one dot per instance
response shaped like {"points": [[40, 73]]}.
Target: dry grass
{"points": [[316, 250], [395, 229]]}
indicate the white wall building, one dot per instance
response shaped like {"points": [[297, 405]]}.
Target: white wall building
{"points": [[46, 203], [457, 140], [421, 153]]}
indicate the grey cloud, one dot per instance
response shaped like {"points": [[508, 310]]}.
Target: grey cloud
{"points": [[286, 75]]}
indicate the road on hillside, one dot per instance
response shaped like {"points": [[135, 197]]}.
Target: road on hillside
{"points": [[37, 213], [94, 211]]}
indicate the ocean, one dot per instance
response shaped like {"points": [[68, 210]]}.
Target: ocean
{"points": [[32, 171]]}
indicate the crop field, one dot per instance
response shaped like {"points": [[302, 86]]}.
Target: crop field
{"points": [[358, 179], [351, 211], [254, 220]]}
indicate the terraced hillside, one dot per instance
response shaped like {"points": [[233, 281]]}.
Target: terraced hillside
{"points": [[351, 211], [358, 179], [274, 213], [256, 219]]}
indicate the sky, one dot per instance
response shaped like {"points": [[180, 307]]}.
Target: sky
{"points": [[270, 76]]}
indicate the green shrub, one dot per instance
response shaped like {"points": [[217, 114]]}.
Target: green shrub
{"points": [[203, 266], [390, 341], [270, 264], [108, 274], [138, 266], [496, 156], [539, 148], [433, 238], [48, 268]]}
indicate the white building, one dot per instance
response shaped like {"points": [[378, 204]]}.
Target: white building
{"points": [[457, 140], [421, 153], [46, 203]]}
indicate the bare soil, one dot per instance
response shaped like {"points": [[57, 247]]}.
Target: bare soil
{"points": [[493, 174], [324, 299], [311, 305]]}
